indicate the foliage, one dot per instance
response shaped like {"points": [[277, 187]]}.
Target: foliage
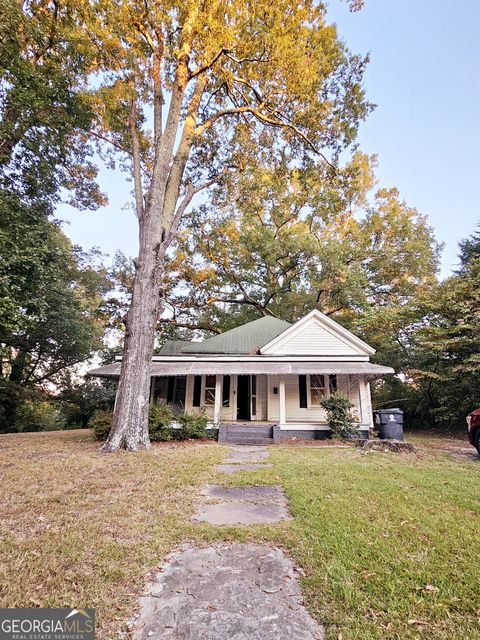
{"points": [[434, 341], [50, 291], [338, 408], [38, 415], [80, 400], [194, 425], [101, 423], [282, 238], [45, 110], [160, 422], [51, 297]]}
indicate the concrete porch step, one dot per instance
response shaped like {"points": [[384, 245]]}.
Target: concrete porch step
{"points": [[259, 441], [246, 434]]}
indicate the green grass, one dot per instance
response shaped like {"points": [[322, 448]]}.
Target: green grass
{"points": [[388, 544], [80, 528]]}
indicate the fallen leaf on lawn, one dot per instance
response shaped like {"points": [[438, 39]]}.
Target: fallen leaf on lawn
{"points": [[419, 622], [430, 587]]}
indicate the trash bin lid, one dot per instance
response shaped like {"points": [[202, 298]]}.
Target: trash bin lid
{"points": [[394, 410]]}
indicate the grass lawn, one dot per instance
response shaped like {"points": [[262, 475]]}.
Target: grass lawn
{"points": [[388, 543]]}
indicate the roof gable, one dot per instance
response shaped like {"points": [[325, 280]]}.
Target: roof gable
{"points": [[245, 339], [317, 334]]}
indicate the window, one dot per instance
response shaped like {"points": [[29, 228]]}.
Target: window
{"points": [[209, 396], [170, 390], [317, 389]]}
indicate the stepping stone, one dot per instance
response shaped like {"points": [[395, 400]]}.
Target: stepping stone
{"points": [[243, 505], [261, 493], [250, 454], [227, 591], [236, 468], [241, 513]]}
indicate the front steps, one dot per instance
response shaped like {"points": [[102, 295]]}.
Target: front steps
{"points": [[246, 433]]}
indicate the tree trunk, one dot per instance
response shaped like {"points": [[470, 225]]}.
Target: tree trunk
{"points": [[130, 418]]}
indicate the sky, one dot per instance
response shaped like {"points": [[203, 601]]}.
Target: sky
{"points": [[423, 76]]}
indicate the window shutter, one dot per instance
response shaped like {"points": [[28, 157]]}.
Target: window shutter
{"points": [[226, 391], [302, 389], [333, 383], [197, 390]]}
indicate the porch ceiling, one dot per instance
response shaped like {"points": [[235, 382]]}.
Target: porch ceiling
{"points": [[272, 368]]}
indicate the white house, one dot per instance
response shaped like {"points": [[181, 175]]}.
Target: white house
{"points": [[265, 379]]}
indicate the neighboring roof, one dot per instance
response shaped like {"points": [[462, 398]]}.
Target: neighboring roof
{"points": [[262, 366], [173, 347], [316, 334], [246, 339]]}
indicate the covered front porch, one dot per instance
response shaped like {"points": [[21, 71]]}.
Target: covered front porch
{"points": [[260, 401]]}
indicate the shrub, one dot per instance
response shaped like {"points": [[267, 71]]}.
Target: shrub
{"points": [[38, 416], [159, 423], [338, 408], [101, 423], [193, 425]]}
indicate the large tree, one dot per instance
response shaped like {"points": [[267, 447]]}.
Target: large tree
{"points": [[280, 239], [433, 340], [49, 292], [45, 108], [200, 74], [51, 304]]}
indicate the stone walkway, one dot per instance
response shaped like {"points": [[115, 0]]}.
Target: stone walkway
{"points": [[244, 458], [229, 591], [242, 505], [226, 592]]}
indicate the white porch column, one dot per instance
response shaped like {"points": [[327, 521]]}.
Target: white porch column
{"points": [[281, 402], [365, 402], [218, 400]]}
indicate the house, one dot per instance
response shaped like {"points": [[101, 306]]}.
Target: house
{"points": [[265, 379]]}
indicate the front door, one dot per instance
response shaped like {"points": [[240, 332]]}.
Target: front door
{"points": [[247, 397]]}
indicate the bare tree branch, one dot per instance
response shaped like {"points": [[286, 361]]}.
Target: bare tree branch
{"points": [[137, 172], [191, 192], [208, 65]]}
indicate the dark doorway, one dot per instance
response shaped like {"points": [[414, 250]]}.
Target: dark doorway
{"points": [[243, 398]]}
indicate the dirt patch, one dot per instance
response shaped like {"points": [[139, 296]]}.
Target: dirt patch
{"points": [[462, 452]]}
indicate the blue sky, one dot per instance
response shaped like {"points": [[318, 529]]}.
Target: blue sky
{"points": [[424, 78]]}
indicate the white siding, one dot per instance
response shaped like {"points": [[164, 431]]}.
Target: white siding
{"points": [[261, 397], [349, 385], [315, 339]]}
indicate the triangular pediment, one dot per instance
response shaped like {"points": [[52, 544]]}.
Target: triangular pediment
{"points": [[317, 335]]}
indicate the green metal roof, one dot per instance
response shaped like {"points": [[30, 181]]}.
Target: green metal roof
{"points": [[246, 339], [172, 347]]}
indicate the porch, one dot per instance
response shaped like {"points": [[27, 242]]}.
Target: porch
{"points": [[251, 406]]}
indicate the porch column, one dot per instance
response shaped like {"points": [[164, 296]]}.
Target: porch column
{"points": [[218, 400], [365, 402], [281, 402]]}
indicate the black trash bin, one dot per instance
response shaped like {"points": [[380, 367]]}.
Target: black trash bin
{"points": [[390, 424]]}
